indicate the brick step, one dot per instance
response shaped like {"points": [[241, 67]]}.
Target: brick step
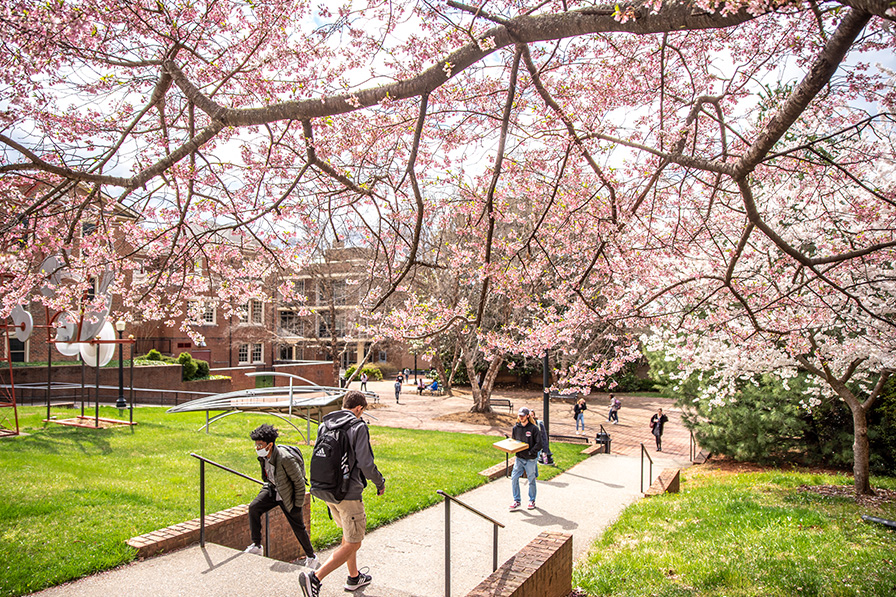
{"points": [[669, 481]]}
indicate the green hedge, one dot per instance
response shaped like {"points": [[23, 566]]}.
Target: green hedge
{"points": [[373, 372]]}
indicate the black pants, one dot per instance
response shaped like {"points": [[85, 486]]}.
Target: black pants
{"points": [[264, 502], [659, 441]]}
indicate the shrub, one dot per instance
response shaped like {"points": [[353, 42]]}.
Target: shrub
{"points": [[153, 355], [202, 368], [189, 365], [373, 372]]}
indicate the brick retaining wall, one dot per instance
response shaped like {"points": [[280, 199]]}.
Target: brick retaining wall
{"points": [[543, 568], [229, 528]]}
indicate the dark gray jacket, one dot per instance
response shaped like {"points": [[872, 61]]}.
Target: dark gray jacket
{"points": [[289, 477], [360, 459]]}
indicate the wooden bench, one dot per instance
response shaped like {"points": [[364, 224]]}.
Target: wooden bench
{"points": [[437, 392], [559, 396], [502, 402]]}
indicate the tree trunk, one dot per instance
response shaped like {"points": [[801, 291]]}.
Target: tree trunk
{"points": [[442, 373], [480, 399], [861, 451], [488, 383]]}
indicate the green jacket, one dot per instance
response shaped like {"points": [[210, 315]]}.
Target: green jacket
{"points": [[289, 477]]}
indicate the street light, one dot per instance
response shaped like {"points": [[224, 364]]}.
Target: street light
{"points": [[121, 403]]}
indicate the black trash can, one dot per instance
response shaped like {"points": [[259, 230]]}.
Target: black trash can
{"points": [[603, 438]]}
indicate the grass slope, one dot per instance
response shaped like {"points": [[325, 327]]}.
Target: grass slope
{"points": [[745, 534], [70, 497]]}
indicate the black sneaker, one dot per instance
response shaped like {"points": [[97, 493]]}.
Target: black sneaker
{"points": [[355, 583], [310, 585]]}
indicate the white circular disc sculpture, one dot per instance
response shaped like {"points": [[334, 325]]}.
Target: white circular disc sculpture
{"points": [[65, 334], [98, 355], [23, 321]]}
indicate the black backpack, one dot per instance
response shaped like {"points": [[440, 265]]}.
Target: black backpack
{"points": [[297, 454], [331, 463]]}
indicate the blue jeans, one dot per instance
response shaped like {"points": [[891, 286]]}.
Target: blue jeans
{"points": [[580, 420], [531, 468]]}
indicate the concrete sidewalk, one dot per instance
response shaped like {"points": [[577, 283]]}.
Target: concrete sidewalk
{"points": [[406, 557]]}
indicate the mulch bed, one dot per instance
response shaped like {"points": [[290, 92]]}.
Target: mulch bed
{"points": [[884, 496], [492, 419]]}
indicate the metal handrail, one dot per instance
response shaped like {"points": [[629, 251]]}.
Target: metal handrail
{"points": [[643, 454], [495, 525], [202, 461]]}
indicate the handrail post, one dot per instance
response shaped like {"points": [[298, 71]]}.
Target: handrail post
{"points": [[267, 534], [202, 503], [495, 548], [642, 468], [447, 548]]}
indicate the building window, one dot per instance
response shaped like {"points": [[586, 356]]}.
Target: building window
{"points": [[252, 312], [88, 228], [17, 350], [201, 313], [335, 289], [257, 312], [323, 327], [382, 356], [243, 353], [285, 352], [257, 353], [291, 324]]}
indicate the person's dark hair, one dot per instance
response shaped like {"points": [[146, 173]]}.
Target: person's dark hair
{"points": [[264, 433], [353, 399]]}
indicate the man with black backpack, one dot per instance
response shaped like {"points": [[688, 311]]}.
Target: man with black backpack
{"points": [[341, 464], [283, 473]]}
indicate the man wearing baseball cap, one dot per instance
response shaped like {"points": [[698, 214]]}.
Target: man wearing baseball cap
{"points": [[526, 460]]}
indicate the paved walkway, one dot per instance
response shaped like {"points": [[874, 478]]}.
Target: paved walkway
{"points": [[406, 558]]}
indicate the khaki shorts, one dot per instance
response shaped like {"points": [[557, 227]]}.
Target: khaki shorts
{"points": [[349, 516]]}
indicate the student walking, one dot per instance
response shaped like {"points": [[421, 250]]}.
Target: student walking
{"points": [[397, 390], [615, 405], [363, 382], [526, 460], [283, 474], [339, 472], [579, 415], [657, 422]]}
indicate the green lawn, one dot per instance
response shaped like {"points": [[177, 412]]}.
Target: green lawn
{"points": [[70, 497], [747, 534]]}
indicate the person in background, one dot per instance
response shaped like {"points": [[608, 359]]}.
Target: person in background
{"points": [[284, 486], [545, 457], [657, 422], [363, 382], [397, 389], [579, 415], [421, 385], [526, 460], [615, 405]]}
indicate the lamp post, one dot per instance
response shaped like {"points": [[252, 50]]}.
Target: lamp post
{"points": [[121, 403]]}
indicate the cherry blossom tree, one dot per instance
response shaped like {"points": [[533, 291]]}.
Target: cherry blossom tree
{"points": [[635, 155]]}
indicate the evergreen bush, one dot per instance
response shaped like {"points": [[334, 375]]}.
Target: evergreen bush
{"points": [[202, 369], [189, 366], [373, 372], [768, 420], [153, 355]]}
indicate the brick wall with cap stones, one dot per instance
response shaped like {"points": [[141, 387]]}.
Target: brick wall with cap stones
{"points": [[229, 528], [543, 568]]}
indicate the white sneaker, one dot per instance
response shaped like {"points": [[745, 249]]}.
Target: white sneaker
{"points": [[312, 563], [254, 549]]}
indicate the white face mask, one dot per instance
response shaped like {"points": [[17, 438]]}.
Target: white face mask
{"points": [[262, 453]]}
